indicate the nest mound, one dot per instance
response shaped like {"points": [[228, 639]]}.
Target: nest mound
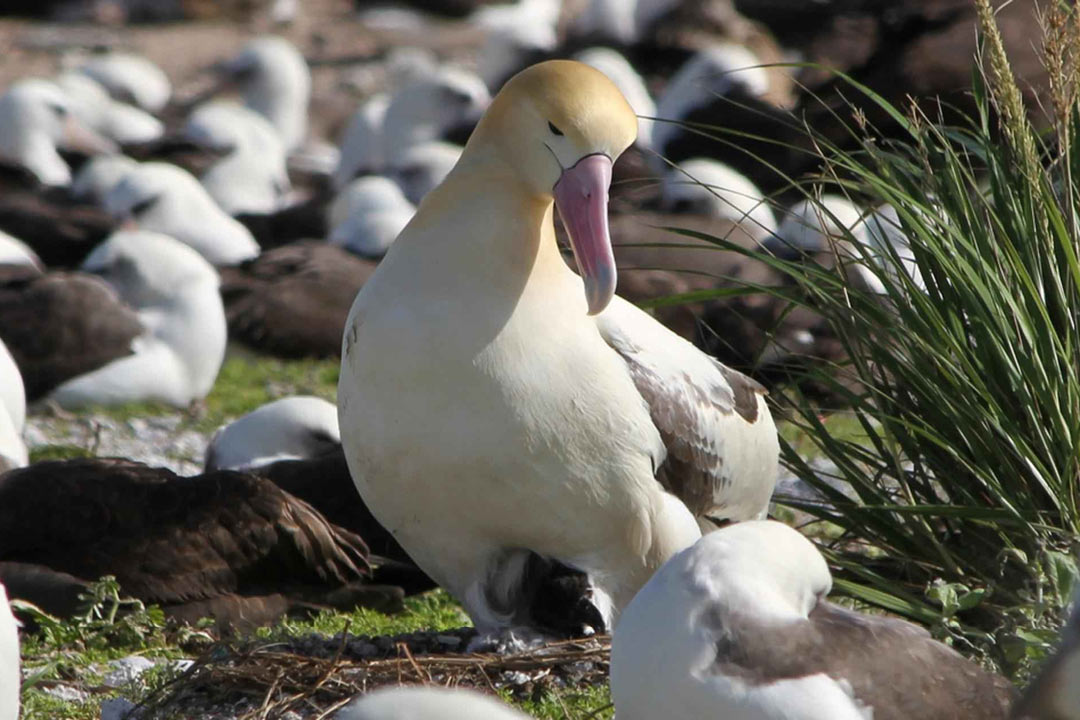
{"points": [[309, 678]]}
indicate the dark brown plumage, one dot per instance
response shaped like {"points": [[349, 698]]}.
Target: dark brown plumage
{"points": [[293, 301], [225, 544], [300, 221], [61, 231], [325, 483], [62, 324], [892, 666]]}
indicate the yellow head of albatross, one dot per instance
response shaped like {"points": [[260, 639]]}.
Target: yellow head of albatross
{"points": [[560, 125]]}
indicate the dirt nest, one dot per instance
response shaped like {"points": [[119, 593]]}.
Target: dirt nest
{"points": [[310, 678]]}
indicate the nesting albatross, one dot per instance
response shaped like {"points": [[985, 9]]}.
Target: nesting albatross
{"points": [[155, 330], [493, 404], [738, 627]]}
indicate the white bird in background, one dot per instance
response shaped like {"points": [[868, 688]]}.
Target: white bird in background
{"points": [[426, 703], [386, 132], [292, 428], [712, 72], [98, 176], [738, 626], [175, 295], [36, 119], [252, 177], [474, 356], [275, 82], [834, 227], [166, 199], [361, 143], [10, 675], [368, 215], [891, 247], [92, 105], [130, 78], [811, 226], [13, 452], [709, 187], [511, 32]]}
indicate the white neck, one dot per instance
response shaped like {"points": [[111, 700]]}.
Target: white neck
{"points": [[193, 326]]}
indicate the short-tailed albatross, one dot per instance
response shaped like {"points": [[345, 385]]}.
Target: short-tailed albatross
{"points": [[737, 627], [493, 403]]}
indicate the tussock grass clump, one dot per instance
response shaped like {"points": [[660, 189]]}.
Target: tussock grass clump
{"points": [[958, 501]]}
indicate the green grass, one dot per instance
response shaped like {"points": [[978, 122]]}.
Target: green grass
{"points": [[245, 382], [434, 610], [577, 704]]}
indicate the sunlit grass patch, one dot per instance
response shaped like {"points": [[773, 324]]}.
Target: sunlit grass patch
{"points": [[568, 704], [434, 610]]}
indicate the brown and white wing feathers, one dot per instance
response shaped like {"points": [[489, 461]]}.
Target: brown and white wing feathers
{"points": [[721, 442]]}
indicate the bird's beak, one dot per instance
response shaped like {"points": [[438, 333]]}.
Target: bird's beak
{"points": [[581, 194], [79, 138]]}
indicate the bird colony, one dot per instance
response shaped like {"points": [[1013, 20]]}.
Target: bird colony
{"points": [[471, 236]]}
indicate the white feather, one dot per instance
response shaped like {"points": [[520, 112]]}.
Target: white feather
{"points": [[181, 208], [99, 175], [715, 188], [175, 293], [426, 703], [252, 177], [14, 251], [10, 676], [368, 215], [665, 645], [292, 428], [276, 83], [132, 77]]}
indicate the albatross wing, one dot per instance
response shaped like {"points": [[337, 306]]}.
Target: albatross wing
{"points": [[722, 448]]}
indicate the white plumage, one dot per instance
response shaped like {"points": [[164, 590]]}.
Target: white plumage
{"points": [[738, 627], [710, 187], [166, 199], [98, 176], [10, 676], [130, 78], [252, 177], [426, 703], [292, 428], [14, 251], [276, 83], [712, 72], [13, 452], [368, 214], [122, 123], [36, 119], [175, 294]]}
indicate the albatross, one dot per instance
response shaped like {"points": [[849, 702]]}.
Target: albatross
{"points": [[495, 406], [738, 627], [426, 703], [10, 677]]}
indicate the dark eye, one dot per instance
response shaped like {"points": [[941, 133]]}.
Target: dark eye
{"points": [[60, 110], [143, 205], [553, 129]]}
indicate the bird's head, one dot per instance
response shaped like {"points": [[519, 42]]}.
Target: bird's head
{"points": [[560, 125]]}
